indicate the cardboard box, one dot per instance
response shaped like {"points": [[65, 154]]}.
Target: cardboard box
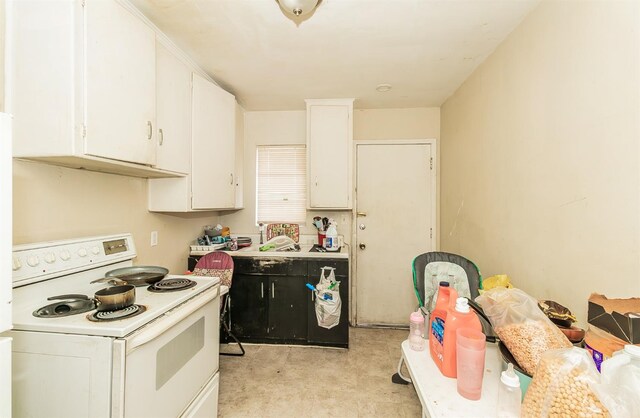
{"points": [[619, 317]]}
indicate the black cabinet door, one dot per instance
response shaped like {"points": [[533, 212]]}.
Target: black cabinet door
{"points": [[338, 335], [249, 306], [288, 307]]}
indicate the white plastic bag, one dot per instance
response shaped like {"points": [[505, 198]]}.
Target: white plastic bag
{"points": [[328, 302]]}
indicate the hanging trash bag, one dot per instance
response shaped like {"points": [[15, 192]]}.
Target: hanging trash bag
{"points": [[328, 302]]}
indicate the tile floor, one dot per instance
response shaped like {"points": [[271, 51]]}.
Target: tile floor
{"points": [[286, 381]]}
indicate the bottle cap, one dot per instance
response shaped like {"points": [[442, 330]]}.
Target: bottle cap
{"points": [[462, 305], [444, 284], [509, 378], [416, 317]]}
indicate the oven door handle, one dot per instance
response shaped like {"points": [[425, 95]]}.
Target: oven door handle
{"points": [[166, 322]]}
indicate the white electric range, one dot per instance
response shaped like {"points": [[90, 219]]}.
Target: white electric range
{"points": [[160, 362]]}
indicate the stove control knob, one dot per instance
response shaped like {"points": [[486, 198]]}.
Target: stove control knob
{"points": [[16, 264], [33, 260], [82, 252], [50, 258], [95, 250], [65, 255]]}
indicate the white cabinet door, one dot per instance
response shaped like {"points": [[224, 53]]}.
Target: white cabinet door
{"points": [[120, 84], [213, 147], [329, 147], [173, 106]]}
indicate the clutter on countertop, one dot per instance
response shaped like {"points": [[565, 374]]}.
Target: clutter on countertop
{"points": [[563, 318], [289, 230], [620, 317], [521, 325], [509, 395], [562, 386], [499, 280], [621, 377], [416, 331], [280, 243], [601, 345]]}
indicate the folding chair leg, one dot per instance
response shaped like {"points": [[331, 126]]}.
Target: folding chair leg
{"points": [[230, 334], [398, 378]]}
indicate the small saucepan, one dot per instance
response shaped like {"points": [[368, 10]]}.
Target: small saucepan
{"points": [[107, 299], [115, 298]]}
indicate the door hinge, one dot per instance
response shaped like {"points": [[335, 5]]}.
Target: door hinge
{"points": [[430, 232], [84, 131], [430, 163], [83, 2]]}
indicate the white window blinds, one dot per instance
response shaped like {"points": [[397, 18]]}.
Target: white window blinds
{"points": [[281, 184]]}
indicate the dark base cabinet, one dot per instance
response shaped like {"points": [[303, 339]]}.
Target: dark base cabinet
{"points": [[271, 304], [337, 336]]}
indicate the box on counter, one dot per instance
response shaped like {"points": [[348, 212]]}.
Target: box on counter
{"points": [[619, 317]]}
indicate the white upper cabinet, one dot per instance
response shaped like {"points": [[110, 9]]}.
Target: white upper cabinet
{"points": [[120, 80], [81, 84], [173, 111], [213, 157], [329, 153], [211, 184]]}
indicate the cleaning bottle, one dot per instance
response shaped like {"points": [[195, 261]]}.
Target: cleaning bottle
{"points": [[509, 394], [437, 322], [331, 240], [458, 316]]}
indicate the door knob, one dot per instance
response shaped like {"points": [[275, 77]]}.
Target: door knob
{"points": [[362, 246], [362, 227]]}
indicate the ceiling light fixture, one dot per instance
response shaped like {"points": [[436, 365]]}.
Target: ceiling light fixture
{"points": [[383, 88], [298, 7]]}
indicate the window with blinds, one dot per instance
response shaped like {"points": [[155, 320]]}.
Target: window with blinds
{"points": [[281, 184]]}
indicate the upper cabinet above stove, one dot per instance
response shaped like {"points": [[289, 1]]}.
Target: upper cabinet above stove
{"points": [[81, 84]]}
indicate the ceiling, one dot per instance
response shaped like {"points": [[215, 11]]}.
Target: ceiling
{"points": [[423, 48]]}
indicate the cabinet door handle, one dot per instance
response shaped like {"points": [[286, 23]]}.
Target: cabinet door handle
{"points": [[313, 296], [273, 290], [231, 179], [150, 127], [161, 141], [262, 290]]}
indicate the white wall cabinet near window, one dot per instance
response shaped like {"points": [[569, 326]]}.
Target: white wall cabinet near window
{"points": [[211, 184], [173, 109], [81, 85], [329, 153]]}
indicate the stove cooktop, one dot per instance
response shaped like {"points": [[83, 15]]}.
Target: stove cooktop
{"points": [[29, 298]]}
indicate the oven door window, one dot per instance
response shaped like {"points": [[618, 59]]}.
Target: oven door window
{"points": [[166, 373]]}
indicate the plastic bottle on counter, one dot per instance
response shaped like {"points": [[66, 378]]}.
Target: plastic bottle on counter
{"points": [[458, 316], [331, 240], [416, 331], [509, 394], [437, 322]]}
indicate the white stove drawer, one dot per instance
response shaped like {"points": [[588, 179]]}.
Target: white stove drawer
{"points": [[167, 367]]}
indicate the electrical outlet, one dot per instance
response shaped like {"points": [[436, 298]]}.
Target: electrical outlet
{"points": [[154, 238]]}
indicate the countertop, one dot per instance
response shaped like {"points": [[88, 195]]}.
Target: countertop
{"points": [[254, 251], [306, 243]]}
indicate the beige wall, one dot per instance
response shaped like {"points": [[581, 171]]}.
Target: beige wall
{"points": [[51, 203], [289, 127], [540, 155]]}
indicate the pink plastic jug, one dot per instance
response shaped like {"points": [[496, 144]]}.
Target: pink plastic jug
{"points": [[471, 347]]}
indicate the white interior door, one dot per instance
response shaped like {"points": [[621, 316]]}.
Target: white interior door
{"points": [[395, 195]]}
